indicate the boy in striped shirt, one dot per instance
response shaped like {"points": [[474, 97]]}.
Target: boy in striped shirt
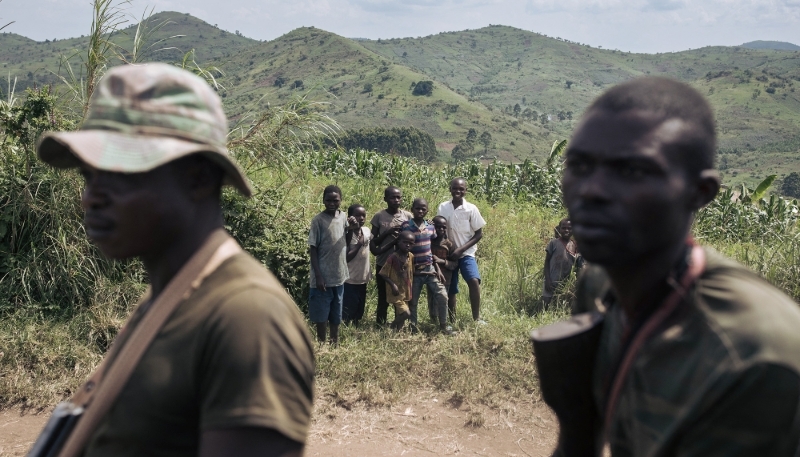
{"points": [[426, 271]]}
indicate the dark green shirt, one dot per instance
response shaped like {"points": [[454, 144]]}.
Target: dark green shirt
{"points": [[236, 353], [721, 377]]}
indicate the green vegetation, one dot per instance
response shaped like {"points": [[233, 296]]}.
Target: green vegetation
{"points": [[404, 141]]}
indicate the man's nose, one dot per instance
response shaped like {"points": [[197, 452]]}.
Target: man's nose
{"points": [[93, 196]]}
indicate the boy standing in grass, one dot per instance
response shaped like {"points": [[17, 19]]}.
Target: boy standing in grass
{"points": [[465, 229], [561, 259], [328, 251], [426, 272], [385, 227], [441, 248], [355, 288], [398, 274]]}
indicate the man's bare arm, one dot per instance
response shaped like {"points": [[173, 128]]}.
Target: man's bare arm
{"points": [[456, 254], [248, 442]]}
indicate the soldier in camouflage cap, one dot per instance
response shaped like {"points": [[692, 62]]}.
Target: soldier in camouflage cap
{"points": [[231, 371], [142, 117], [698, 355]]}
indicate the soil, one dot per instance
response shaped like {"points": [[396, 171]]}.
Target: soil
{"points": [[423, 427]]}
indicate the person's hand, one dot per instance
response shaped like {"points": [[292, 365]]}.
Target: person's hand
{"points": [[394, 231], [455, 255], [440, 277], [352, 223], [321, 284], [438, 260], [395, 290]]}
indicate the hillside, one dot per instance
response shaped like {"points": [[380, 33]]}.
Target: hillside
{"points": [[525, 89], [37, 62], [752, 91], [365, 89], [774, 45]]}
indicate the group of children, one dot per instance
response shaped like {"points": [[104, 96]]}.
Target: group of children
{"points": [[410, 252]]}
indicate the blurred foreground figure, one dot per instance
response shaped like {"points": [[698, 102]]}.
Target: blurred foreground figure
{"points": [[231, 370], [697, 356]]}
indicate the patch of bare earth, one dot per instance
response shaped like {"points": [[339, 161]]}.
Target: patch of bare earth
{"points": [[418, 427]]}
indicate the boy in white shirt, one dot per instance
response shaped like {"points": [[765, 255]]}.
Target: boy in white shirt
{"points": [[464, 230]]}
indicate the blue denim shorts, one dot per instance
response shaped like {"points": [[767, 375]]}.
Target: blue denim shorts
{"points": [[468, 268], [326, 306]]}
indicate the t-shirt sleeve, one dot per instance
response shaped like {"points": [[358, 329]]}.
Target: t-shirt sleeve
{"points": [[313, 233], [257, 368], [756, 415], [388, 266], [476, 221], [551, 247]]}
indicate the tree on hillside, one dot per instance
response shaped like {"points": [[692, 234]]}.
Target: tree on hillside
{"points": [[486, 141], [517, 110], [367, 88], [791, 185], [466, 148], [404, 141], [423, 88]]}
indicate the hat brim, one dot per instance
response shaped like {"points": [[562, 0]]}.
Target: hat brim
{"points": [[126, 153]]}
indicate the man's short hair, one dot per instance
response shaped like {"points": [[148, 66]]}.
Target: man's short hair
{"points": [[671, 100], [390, 189], [419, 200], [332, 189], [439, 218]]}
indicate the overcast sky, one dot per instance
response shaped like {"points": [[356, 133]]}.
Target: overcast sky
{"points": [[629, 25]]}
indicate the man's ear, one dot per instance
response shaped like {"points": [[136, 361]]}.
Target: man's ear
{"points": [[706, 188], [204, 178]]}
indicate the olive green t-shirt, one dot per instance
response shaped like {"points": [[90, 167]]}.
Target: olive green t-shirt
{"points": [[720, 377], [236, 353]]}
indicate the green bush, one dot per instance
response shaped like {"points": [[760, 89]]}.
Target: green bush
{"points": [[404, 141]]}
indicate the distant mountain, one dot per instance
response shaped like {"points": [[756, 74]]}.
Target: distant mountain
{"points": [[38, 62], [753, 92], [365, 89], [773, 45], [524, 88]]}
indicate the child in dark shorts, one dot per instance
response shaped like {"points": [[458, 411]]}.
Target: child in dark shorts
{"points": [[398, 272], [355, 288]]}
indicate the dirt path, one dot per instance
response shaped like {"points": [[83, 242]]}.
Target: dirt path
{"points": [[420, 428]]}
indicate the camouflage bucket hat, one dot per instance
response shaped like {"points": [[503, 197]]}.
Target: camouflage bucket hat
{"points": [[144, 116]]}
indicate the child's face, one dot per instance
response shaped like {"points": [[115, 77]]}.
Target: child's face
{"points": [[332, 201], [404, 244], [419, 210], [393, 199], [565, 229], [361, 216], [440, 227], [458, 188]]}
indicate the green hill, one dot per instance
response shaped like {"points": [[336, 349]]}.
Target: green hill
{"points": [[525, 89], [752, 91], [35, 62], [365, 89], [774, 45]]}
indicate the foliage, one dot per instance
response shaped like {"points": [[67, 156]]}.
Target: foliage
{"points": [[108, 15], [404, 141], [46, 262], [748, 215], [495, 182], [423, 88], [300, 124], [790, 186]]}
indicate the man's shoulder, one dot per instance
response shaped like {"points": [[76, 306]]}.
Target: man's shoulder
{"points": [[470, 206], [243, 273], [757, 321]]}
